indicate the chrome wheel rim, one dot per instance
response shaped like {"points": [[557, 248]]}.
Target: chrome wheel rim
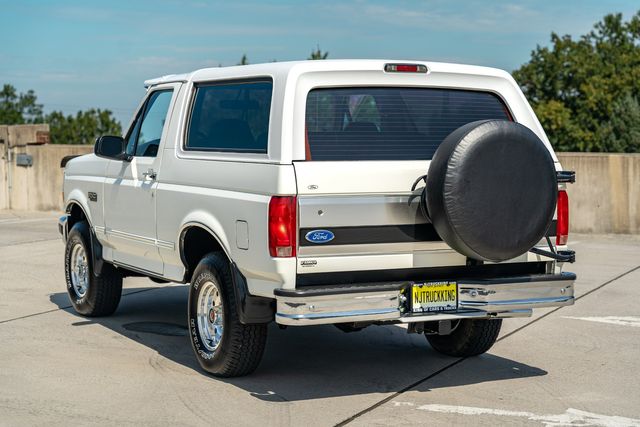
{"points": [[210, 315], [79, 271]]}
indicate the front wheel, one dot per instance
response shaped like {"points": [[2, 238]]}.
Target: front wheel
{"points": [[470, 338], [90, 295], [223, 345]]}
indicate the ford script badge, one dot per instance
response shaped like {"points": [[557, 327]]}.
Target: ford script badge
{"points": [[319, 236]]}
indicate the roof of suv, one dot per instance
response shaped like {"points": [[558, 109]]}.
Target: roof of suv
{"points": [[282, 69]]}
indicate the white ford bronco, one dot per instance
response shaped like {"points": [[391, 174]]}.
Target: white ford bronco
{"points": [[351, 192]]}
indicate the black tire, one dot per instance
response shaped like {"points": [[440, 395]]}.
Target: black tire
{"points": [[102, 294], [240, 348], [470, 338], [491, 190]]}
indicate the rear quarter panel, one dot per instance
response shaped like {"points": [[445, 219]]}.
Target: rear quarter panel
{"points": [[216, 195]]}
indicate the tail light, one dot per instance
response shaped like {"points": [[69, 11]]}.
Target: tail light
{"points": [[562, 229], [282, 226]]}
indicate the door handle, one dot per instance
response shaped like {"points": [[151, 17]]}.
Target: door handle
{"points": [[149, 174]]}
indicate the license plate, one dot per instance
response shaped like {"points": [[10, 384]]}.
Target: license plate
{"points": [[434, 296]]}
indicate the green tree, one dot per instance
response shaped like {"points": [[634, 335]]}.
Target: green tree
{"points": [[622, 133], [18, 108], [580, 87], [83, 128], [318, 54]]}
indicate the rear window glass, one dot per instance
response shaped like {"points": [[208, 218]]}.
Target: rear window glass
{"points": [[230, 117], [390, 123]]}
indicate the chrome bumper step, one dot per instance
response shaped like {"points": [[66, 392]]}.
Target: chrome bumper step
{"points": [[485, 298]]}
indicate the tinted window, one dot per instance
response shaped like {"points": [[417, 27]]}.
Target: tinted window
{"points": [[231, 117], [391, 123], [144, 138], [133, 134]]}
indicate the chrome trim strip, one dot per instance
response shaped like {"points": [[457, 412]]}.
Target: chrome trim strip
{"points": [[131, 236], [514, 304], [164, 244]]}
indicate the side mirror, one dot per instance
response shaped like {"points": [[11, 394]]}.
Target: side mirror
{"points": [[111, 147]]}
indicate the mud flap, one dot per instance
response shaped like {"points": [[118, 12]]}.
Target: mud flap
{"points": [[96, 254], [251, 308]]}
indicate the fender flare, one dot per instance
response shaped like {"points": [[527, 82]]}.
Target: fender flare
{"points": [[251, 309], [207, 222], [183, 231], [97, 260], [77, 197]]}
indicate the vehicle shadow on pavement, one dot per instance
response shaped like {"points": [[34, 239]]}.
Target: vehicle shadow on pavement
{"points": [[303, 363]]}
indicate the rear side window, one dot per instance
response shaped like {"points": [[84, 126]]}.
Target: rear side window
{"points": [[231, 116], [390, 123]]}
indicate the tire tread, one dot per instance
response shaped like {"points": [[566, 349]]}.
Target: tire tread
{"points": [[106, 289], [471, 338], [246, 343]]}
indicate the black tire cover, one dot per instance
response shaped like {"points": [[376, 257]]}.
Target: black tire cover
{"points": [[491, 190]]}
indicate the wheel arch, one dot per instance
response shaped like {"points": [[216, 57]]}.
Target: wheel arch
{"points": [[76, 211], [196, 239]]}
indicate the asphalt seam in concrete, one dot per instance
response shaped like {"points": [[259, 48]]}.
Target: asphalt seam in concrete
{"points": [[11, 221], [66, 307], [458, 361], [26, 243]]}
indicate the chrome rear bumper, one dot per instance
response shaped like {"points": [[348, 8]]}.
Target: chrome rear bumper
{"points": [[63, 222], [484, 298]]}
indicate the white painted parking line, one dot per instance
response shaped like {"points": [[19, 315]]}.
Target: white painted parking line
{"points": [[571, 417], [633, 321]]}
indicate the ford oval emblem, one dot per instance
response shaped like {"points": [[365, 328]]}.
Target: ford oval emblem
{"points": [[319, 236]]}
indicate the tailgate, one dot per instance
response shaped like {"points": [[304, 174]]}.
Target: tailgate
{"points": [[357, 216]]}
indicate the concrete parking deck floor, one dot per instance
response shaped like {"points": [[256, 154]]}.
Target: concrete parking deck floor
{"points": [[577, 365]]}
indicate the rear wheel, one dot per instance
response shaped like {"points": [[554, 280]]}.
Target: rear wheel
{"points": [[471, 337], [89, 295], [223, 346]]}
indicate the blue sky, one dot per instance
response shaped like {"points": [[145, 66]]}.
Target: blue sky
{"points": [[83, 54]]}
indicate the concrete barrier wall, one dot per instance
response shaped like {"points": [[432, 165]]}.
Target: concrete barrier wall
{"points": [[604, 199], [37, 187], [606, 195]]}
